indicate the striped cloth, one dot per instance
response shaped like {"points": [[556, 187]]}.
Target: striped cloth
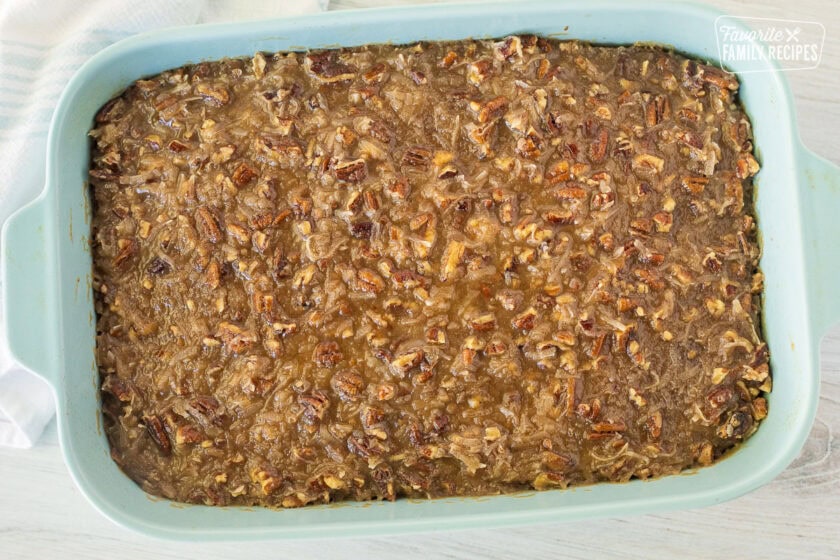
{"points": [[42, 43]]}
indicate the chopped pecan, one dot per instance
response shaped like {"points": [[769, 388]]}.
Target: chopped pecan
{"points": [[365, 446], [188, 434], [417, 156], [215, 94], [663, 221], [369, 281], [508, 48], [653, 281], [280, 148], [177, 146], [235, 338], [690, 138], [525, 320], [315, 405], [127, 249], [493, 109], [327, 354], [483, 322], [452, 257], [328, 68], [657, 108], [647, 165], [348, 384], [268, 479], [375, 74], [598, 147], [361, 230], [641, 226], [653, 425], [207, 225], [558, 173], [351, 171], [405, 361], [572, 191], [155, 429], [479, 71], [122, 389], [243, 174]]}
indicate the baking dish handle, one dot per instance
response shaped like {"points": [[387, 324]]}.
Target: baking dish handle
{"points": [[27, 303], [821, 225]]}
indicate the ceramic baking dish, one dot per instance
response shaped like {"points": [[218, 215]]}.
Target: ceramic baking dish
{"points": [[50, 317]]}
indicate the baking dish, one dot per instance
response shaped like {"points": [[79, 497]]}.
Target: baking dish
{"points": [[50, 318]]}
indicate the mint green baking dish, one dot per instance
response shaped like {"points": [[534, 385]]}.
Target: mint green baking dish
{"points": [[50, 318]]}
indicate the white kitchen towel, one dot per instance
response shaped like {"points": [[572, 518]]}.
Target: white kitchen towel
{"points": [[42, 43]]}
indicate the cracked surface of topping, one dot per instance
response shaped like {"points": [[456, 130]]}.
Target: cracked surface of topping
{"points": [[428, 270]]}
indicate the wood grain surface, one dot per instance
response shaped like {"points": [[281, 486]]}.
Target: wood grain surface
{"points": [[43, 515]]}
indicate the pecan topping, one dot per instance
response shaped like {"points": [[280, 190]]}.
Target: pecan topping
{"points": [[155, 429], [207, 225], [328, 68], [351, 171], [327, 354]]}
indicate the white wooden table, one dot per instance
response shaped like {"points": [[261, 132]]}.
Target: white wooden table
{"points": [[43, 515]]}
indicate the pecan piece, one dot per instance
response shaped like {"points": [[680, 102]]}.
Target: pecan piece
{"points": [[122, 389], [653, 425], [408, 279], [268, 479], [663, 221], [690, 138], [155, 429], [608, 427], [572, 191], [559, 173], [177, 146], [327, 354], [602, 201], [525, 320], [653, 281], [405, 361], [315, 406], [598, 147], [188, 434], [235, 338], [641, 226], [452, 257], [348, 384], [214, 94], [280, 148], [361, 230], [327, 67], [712, 262], [508, 48], [483, 322], [351, 171], [207, 225], [479, 71], [736, 425], [206, 410], [560, 217], [243, 174], [493, 109], [368, 281], [647, 165], [127, 249], [375, 74], [365, 446], [657, 108], [417, 156]]}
